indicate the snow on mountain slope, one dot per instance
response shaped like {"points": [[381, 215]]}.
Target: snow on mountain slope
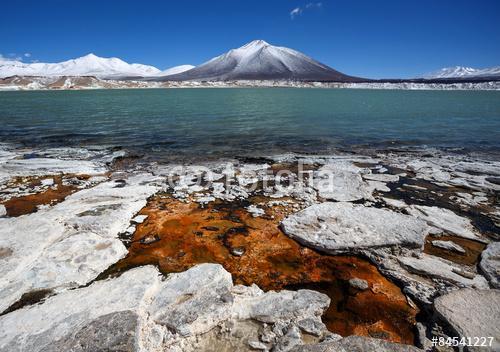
{"points": [[259, 60], [88, 65], [464, 72], [176, 69]]}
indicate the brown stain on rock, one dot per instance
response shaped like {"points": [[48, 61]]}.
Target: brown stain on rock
{"points": [[473, 249], [28, 204], [255, 250]]}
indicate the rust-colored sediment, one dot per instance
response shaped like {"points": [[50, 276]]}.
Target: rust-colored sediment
{"points": [[29, 203], [181, 235], [473, 249]]}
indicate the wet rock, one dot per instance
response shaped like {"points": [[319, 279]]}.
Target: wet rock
{"points": [[490, 264], [448, 245], [237, 251], [472, 313], [130, 230], [356, 344], [359, 284], [149, 239], [441, 269], [344, 227], [210, 228], [139, 219], [445, 220]]}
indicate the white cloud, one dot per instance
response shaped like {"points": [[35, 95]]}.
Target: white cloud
{"points": [[314, 4], [27, 54], [295, 12], [299, 10]]}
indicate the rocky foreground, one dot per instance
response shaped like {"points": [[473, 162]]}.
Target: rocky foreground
{"points": [[380, 252], [91, 82]]}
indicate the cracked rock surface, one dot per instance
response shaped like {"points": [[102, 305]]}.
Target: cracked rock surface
{"points": [[158, 313]]}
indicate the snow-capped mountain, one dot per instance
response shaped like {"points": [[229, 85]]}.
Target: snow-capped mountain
{"points": [[88, 65], [175, 70], [259, 60], [464, 72]]}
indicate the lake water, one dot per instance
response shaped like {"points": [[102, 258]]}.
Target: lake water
{"points": [[209, 123]]}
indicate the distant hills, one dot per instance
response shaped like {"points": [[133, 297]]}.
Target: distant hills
{"points": [[88, 65], [256, 60], [176, 70], [463, 72]]}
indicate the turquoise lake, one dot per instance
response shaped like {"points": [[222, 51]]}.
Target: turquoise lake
{"points": [[209, 123]]}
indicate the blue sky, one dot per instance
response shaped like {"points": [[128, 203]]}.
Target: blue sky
{"points": [[364, 38]]}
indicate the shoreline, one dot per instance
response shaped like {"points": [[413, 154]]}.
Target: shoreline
{"points": [[110, 220], [91, 83]]}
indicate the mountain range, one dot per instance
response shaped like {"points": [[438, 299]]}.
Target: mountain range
{"points": [[257, 60], [463, 72], [88, 65]]}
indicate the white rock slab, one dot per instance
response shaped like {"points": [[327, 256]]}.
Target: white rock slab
{"points": [[448, 245], [490, 263], [355, 343], [271, 307], [472, 313], [345, 227], [381, 177], [49, 166], [141, 311], [341, 181], [437, 268], [70, 243], [195, 301], [139, 219], [446, 220], [35, 327]]}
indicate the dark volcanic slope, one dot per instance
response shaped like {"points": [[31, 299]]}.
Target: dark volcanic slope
{"points": [[259, 60]]}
